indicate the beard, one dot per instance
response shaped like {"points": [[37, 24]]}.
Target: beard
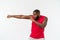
{"points": [[37, 18]]}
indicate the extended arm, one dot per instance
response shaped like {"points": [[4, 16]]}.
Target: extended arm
{"points": [[19, 16]]}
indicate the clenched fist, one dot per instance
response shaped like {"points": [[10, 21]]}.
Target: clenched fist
{"points": [[32, 19], [9, 16]]}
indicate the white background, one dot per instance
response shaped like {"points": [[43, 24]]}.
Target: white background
{"points": [[19, 29]]}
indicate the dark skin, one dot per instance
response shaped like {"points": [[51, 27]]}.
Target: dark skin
{"points": [[42, 25], [35, 15]]}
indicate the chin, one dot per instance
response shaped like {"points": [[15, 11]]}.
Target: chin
{"points": [[37, 18]]}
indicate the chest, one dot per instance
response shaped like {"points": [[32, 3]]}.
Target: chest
{"points": [[40, 20]]}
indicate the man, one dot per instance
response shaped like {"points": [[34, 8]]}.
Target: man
{"points": [[39, 22]]}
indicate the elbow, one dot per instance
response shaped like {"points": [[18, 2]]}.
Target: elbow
{"points": [[42, 26]]}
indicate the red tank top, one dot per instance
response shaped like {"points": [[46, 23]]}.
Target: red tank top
{"points": [[36, 31]]}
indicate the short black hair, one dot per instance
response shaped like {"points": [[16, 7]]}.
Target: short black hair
{"points": [[37, 11]]}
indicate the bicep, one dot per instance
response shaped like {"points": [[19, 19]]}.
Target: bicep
{"points": [[26, 16], [45, 21]]}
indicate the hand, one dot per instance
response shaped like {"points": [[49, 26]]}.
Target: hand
{"points": [[9, 16], [32, 19]]}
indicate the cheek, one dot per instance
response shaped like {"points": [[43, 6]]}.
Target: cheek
{"points": [[35, 16]]}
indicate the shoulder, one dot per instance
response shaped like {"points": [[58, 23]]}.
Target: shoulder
{"points": [[45, 17]]}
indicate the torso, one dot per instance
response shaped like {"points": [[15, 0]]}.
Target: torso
{"points": [[36, 31]]}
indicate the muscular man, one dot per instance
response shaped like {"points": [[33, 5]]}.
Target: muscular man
{"points": [[39, 22]]}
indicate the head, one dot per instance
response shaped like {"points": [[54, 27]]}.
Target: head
{"points": [[36, 14]]}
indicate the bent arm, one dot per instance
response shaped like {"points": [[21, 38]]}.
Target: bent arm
{"points": [[42, 25]]}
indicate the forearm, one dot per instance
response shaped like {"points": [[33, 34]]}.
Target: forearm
{"points": [[15, 16], [39, 24]]}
